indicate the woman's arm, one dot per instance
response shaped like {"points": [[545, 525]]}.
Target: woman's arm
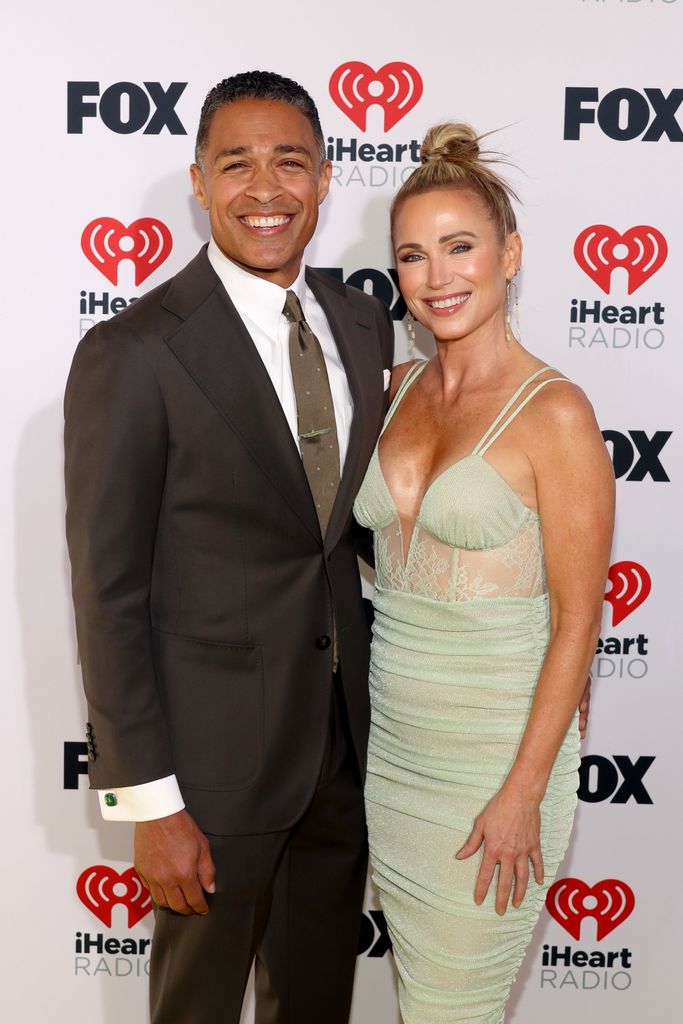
{"points": [[575, 487]]}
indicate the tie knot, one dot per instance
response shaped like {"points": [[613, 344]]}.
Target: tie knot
{"points": [[292, 308]]}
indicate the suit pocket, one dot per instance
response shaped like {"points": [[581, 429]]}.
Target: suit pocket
{"points": [[213, 698]]}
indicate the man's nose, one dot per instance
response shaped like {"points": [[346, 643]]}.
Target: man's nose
{"points": [[264, 186]]}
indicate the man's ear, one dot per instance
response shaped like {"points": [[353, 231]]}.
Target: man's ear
{"points": [[324, 180], [198, 186]]}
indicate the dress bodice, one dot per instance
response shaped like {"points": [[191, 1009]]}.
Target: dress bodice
{"points": [[473, 536]]}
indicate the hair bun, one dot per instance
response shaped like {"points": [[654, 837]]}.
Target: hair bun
{"points": [[451, 143], [451, 158]]}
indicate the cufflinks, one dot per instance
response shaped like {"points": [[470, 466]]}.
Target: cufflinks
{"points": [[111, 799]]}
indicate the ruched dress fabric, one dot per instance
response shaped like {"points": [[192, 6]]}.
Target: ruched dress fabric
{"points": [[460, 631]]}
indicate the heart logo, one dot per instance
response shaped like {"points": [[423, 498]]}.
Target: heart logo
{"points": [[147, 242], [100, 889], [600, 249], [570, 900], [631, 585], [396, 87]]}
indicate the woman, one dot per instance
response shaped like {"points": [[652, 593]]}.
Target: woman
{"points": [[491, 496]]}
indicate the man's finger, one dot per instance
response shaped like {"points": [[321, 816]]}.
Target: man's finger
{"points": [[206, 870], [193, 894], [175, 899], [157, 894]]}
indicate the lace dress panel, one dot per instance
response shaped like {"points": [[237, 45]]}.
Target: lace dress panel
{"points": [[439, 571]]}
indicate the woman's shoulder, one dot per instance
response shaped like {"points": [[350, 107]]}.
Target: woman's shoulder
{"points": [[562, 438], [398, 374], [560, 413], [550, 393], [558, 398]]}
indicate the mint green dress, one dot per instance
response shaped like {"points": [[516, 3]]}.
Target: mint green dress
{"points": [[461, 627]]}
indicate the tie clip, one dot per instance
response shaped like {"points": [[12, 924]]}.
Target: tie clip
{"points": [[314, 433]]}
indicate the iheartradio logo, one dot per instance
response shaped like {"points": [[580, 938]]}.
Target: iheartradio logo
{"points": [[631, 585], [396, 88], [570, 900], [100, 889], [146, 242], [600, 249]]}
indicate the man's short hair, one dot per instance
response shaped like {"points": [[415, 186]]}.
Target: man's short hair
{"points": [[256, 85]]}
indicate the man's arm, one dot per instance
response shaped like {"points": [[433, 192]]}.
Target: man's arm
{"points": [[115, 463], [115, 466]]}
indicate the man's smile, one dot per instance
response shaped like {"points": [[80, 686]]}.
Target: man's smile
{"points": [[269, 225]]}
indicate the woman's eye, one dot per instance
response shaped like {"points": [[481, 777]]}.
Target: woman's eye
{"points": [[411, 257], [461, 247]]}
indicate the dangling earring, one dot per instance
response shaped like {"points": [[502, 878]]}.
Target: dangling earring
{"points": [[410, 327], [511, 310], [508, 331]]}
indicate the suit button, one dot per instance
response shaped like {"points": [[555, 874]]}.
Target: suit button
{"points": [[322, 643]]}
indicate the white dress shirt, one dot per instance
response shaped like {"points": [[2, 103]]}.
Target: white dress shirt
{"points": [[260, 305]]}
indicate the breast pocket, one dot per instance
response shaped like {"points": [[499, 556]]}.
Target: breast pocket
{"points": [[213, 698]]}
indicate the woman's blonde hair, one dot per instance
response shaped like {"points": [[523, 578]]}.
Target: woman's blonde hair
{"points": [[451, 158]]}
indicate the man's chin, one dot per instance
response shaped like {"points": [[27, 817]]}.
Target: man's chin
{"points": [[274, 269]]}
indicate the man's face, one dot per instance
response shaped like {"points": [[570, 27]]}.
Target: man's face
{"points": [[262, 182]]}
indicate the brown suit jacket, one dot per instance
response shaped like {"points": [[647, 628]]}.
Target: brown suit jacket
{"points": [[204, 593]]}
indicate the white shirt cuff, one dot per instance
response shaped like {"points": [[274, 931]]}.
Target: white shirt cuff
{"points": [[150, 800]]}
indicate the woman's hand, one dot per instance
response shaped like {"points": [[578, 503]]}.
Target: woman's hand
{"points": [[509, 828]]}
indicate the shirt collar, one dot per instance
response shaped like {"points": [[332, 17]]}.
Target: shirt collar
{"points": [[260, 300]]}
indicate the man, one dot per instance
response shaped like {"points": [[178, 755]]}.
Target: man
{"points": [[216, 434]]}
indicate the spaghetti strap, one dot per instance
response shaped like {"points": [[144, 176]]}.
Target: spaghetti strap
{"points": [[411, 375], [508, 405], [489, 438]]}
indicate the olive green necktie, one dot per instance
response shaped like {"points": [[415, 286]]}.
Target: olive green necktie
{"points": [[317, 427]]}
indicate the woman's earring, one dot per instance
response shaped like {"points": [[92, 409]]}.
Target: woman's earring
{"points": [[410, 327], [511, 311]]}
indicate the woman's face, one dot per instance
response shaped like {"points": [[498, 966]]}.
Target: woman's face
{"points": [[452, 266]]}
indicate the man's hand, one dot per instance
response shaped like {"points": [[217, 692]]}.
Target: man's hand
{"points": [[584, 709], [173, 859]]}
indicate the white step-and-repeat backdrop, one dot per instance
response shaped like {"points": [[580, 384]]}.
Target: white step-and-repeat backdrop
{"points": [[99, 109]]}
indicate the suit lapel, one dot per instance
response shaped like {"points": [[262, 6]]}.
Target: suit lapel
{"points": [[353, 332], [215, 348]]}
